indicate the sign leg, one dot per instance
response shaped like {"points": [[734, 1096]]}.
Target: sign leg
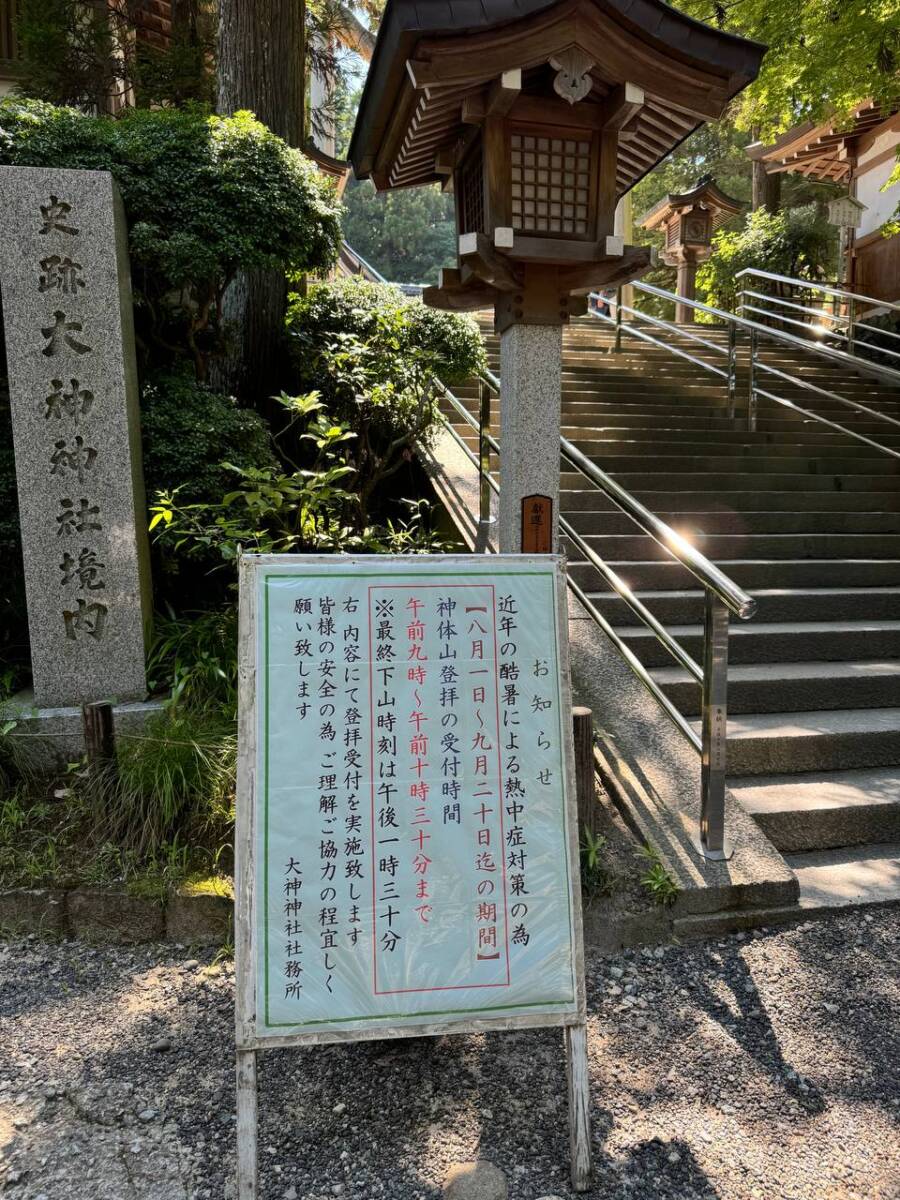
{"points": [[579, 1106], [247, 1176]]}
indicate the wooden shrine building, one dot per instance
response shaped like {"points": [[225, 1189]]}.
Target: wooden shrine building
{"points": [[539, 114], [860, 153], [687, 223]]}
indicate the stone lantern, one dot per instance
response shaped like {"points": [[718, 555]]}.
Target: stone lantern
{"points": [[687, 223], [539, 115]]}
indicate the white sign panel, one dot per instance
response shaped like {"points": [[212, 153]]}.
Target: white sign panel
{"points": [[846, 211], [407, 854]]}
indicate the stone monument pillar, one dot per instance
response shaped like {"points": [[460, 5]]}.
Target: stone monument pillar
{"points": [[67, 316], [530, 400]]}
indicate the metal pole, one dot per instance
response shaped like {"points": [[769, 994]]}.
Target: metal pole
{"points": [[484, 454], [715, 730], [617, 344], [751, 409], [732, 369], [851, 326]]}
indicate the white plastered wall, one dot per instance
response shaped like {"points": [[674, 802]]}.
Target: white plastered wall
{"points": [[881, 206]]}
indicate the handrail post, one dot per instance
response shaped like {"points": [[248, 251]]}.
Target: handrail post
{"points": [[712, 842], [617, 343], [732, 369], [484, 454], [851, 325], [751, 408]]}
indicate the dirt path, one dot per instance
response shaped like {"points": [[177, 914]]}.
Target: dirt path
{"points": [[755, 1067]]}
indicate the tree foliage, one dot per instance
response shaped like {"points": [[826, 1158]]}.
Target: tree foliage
{"points": [[204, 197], [373, 356], [796, 242], [407, 235], [86, 54], [824, 56], [189, 432]]}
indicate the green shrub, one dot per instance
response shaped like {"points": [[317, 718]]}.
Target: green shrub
{"points": [[205, 197], [194, 659], [189, 432], [450, 344], [371, 357], [797, 242]]}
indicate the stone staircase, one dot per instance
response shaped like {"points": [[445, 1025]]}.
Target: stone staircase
{"points": [[806, 519]]}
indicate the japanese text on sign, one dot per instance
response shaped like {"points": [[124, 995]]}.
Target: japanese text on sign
{"points": [[412, 768]]}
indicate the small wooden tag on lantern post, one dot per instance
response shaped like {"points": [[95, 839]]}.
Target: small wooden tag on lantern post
{"points": [[537, 525]]}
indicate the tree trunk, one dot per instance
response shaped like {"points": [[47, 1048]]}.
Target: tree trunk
{"points": [[261, 67], [766, 188]]}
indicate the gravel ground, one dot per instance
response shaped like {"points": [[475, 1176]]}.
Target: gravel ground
{"points": [[763, 1065]]}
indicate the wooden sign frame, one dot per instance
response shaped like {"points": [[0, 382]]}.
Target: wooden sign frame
{"points": [[249, 1039]]}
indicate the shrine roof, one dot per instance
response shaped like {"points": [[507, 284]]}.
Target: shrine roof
{"points": [[824, 151], [706, 193], [431, 54]]}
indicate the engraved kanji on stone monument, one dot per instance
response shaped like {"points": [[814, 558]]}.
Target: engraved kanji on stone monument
{"points": [[67, 318]]}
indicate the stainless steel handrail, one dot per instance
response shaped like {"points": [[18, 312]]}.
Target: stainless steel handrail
{"points": [[821, 313], [755, 308], [721, 595], [736, 322], [642, 674], [789, 339], [845, 312], [647, 337], [755, 329], [618, 584], [708, 574], [827, 289]]}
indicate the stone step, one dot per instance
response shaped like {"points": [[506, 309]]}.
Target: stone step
{"points": [[584, 414], [807, 519], [608, 445], [789, 686], [846, 462], [775, 604], [726, 478], [794, 743], [824, 810], [699, 525], [777, 642], [672, 433], [578, 494], [790, 546], [753, 574], [847, 878]]}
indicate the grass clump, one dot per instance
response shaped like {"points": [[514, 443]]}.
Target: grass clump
{"points": [[161, 814], [657, 881]]}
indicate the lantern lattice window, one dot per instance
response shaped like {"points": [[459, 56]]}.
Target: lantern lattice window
{"points": [[550, 184]]}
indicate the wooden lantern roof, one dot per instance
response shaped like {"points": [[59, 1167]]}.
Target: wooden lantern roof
{"points": [[435, 62], [825, 151], [705, 194]]}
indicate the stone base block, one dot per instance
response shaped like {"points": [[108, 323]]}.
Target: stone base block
{"points": [[107, 916], [37, 910], [48, 738], [199, 920]]}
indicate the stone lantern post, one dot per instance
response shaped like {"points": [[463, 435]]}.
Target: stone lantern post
{"points": [[539, 115]]}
